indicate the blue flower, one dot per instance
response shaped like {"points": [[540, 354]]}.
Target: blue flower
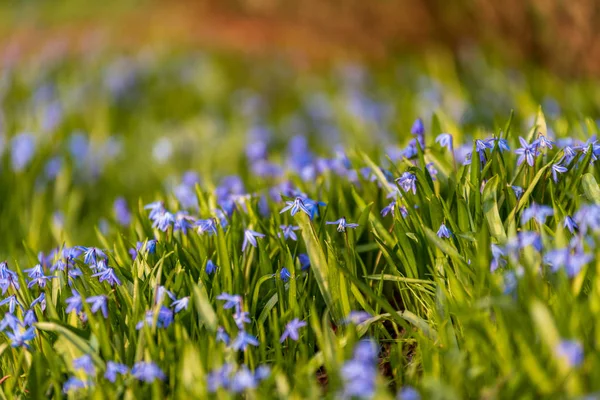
{"points": [[295, 206], [518, 191], [29, 319], [183, 222], [163, 221], [114, 368], [8, 278], [157, 208], [231, 301], [389, 209], [480, 146], [222, 336], [219, 378], [357, 317], [161, 291], [313, 207], [74, 303], [570, 224], [284, 274], [10, 321], [210, 267], [36, 272], [41, 300], [571, 352], [408, 393], [502, 143], [242, 380], [181, 304], [22, 151], [432, 171], [241, 318], [543, 142], [40, 281], [12, 303], [147, 372], [107, 274], [444, 232], [342, 224], [242, 341], [557, 169], [122, 213], [291, 330], [444, 140], [18, 337], [73, 383], [91, 255], [86, 364], [538, 212], [359, 373], [98, 303], [288, 231], [408, 182], [418, 128], [527, 152], [304, 261], [250, 238], [207, 225], [163, 319]]}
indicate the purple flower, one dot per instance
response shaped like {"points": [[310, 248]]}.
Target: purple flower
{"points": [[163, 221], [408, 182], [222, 336], [250, 238], [241, 318], [114, 368], [408, 393], [41, 300], [98, 303], [107, 274], [91, 255], [243, 380], [444, 232], [359, 373], [357, 317], [295, 206], [527, 152], [288, 231], [291, 330], [86, 364], [163, 319], [418, 128], [543, 142], [480, 147], [157, 208], [570, 351], [518, 191], [29, 319], [10, 321], [342, 224], [183, 222], [242, 341], [147, 372]]}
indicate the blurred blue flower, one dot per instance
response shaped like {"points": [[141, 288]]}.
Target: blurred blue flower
{"points": [[570, 224], [408, 393], [163, 221], [22, 151], [29, 319], [114, 368], [571, 352], [41, 300], [222, 336], [10, 321], [243, 340], [304, 261], [157, 208], [518, 191], [18, 337], [231, 301], [86, 364], [74, 303], [342, 224], [291, 330], [538, 212], [284, 274], [183, 222], [8, 278], [357, 317], [359, 373], [73, 384], [181, 304], [389, 209], [418, 128], [163, 319], [240, 318], [207, 225], [12, 303], [444, 140], [147, 372], [91, 255], [98, 303], [543, 142], [242, 380], [122, 213]]}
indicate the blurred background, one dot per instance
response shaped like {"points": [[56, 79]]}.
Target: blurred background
{"points": [[559, 35]]}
